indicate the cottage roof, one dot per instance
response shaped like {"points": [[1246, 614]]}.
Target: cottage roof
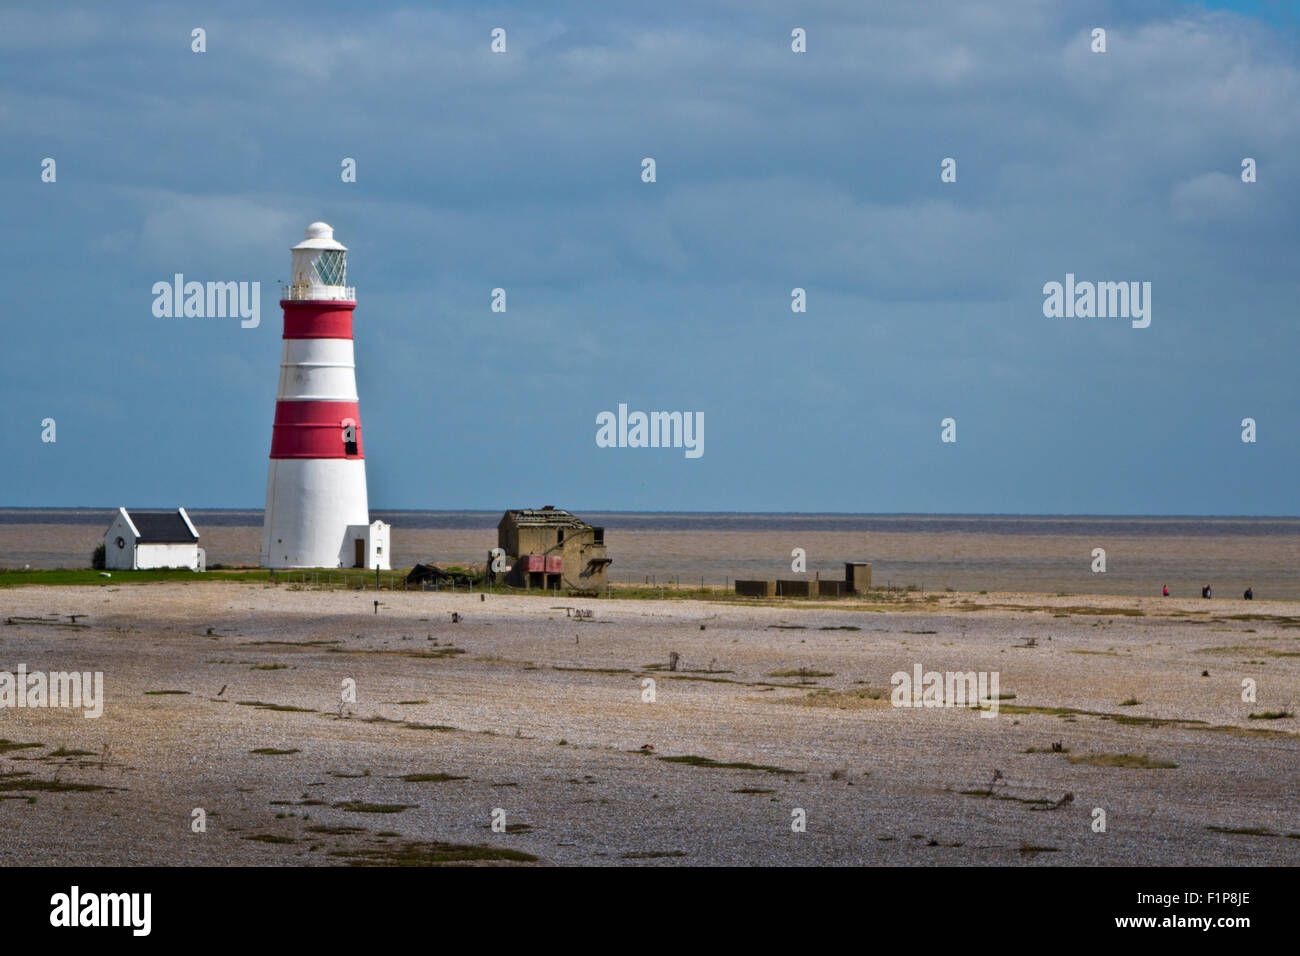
{"points": [[163, 527]]}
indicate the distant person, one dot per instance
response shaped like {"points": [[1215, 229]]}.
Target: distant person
{"points": [[1205, 591], [1250, 593], [1166, 591]]}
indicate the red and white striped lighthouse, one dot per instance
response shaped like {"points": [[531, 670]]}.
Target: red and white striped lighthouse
{"points": [[317, 514]]}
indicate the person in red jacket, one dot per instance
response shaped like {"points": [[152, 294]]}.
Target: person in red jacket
{"points": [[1166, 591]]}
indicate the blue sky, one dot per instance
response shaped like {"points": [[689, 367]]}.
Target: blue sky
{"points": [[775, 170]]}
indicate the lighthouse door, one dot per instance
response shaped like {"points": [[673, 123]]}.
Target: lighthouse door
{"points": [[359, 546]]}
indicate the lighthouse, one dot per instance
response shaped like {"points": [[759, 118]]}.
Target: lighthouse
{"points": [[317, 515]]}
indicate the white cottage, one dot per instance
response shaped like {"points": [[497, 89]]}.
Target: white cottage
{"points": [[141, 540]]}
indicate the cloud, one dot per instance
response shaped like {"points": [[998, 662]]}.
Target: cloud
{"points": [[184, 231], [1210, 197]]}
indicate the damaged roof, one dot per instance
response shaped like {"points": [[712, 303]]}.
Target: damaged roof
{"points": [[543, 518]]}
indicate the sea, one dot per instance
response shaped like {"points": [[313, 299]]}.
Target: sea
{"points": [[1035, 553]]}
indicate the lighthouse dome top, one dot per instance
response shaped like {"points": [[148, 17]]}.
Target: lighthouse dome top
{"points": [[320, 267], [320, 235]]}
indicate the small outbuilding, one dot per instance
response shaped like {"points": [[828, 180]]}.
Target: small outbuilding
{"points": [[144, 540], [430, 573]]}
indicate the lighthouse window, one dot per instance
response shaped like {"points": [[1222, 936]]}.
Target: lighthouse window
{"points": [[349, 439], [332, 267]]}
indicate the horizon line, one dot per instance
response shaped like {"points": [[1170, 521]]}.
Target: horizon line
{"points": [[810, 514]]}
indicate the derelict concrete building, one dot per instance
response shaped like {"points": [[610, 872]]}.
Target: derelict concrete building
{"points": [[549, 547]]}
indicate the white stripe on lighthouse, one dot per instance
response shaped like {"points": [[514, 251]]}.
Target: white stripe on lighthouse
{"points": [[317, 370]]}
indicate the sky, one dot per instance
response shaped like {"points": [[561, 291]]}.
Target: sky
{"points": [[774, 170]]}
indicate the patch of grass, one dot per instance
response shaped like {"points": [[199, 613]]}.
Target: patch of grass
{"points": [[1078, 609], [1034, 801], [1126, 719], [437, 654], [63, 752], [290, 643], [14, 577], [160, 693], [1281, 620], [335, 830], [1134, 761], [1243, 831], [695, 761], [439, 727], [432, 854], [1253, 650], [803, 673], [595, 670], [678, 675], [273, 752], [263, 705], [841, 627], [1129, 702], [49, 786], [652, 854], [1271, 714], [753, 790], [407, 703], [431, 777], [842, 699], [7, 745], [270, 838], [269, 667], [1028, 849], [1249, 731], [360, 806]]}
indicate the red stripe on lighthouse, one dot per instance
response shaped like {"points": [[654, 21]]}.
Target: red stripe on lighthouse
{"points": [[314, 429], [309, 319]]}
